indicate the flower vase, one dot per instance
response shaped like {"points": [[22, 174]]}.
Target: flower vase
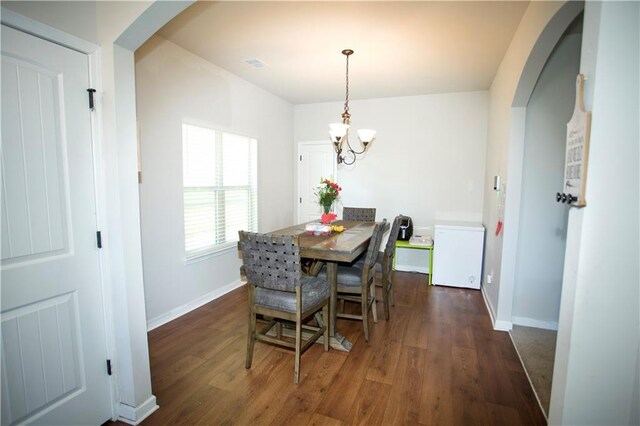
{"points": [[327, 216]]}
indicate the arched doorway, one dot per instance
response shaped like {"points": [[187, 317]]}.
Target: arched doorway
{"points": [[546, 84]]}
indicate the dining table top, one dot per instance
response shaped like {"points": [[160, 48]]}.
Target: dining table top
{"points": [[343, 246]]}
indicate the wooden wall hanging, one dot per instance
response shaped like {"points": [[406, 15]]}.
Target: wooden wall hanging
{"points": [[577, 151]]}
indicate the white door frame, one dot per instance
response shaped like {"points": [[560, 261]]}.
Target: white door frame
{"points": [[37, 29], [298, 170]]}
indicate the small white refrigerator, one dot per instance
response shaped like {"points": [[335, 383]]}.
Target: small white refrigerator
{"points": [[457, 254]]}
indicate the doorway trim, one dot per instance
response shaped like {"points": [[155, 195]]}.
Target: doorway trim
{"points": [[528, 78]]}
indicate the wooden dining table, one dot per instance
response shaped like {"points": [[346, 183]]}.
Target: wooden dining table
{"points": [[332, 249]]}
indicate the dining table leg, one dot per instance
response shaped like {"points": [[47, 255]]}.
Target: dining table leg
{"points": [[337, 340], [332, 277]]}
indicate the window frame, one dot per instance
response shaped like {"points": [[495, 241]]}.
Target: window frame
{"points": [[217, 249]]}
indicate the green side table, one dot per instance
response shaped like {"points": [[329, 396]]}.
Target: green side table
{"points": [[405, 244]]}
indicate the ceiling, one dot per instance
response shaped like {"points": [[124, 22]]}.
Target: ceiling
{"points": [[401, 48]]}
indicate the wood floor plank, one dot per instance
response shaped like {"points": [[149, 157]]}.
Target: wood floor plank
{"points": [[320, 420], [344, 389], [415, 331], [388, 338], [437, 361], [303, 400], [193, 409], [465, 388], [436, 400], [403, 406], [369, 405]]}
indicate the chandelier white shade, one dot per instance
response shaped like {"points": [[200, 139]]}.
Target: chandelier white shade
{"points": [[339, 132], [366, 135]]}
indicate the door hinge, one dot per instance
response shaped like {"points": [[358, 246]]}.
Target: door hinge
{"points": [[300, 157], [99, 239], [91, 92], [300, 200], [109, 367]]}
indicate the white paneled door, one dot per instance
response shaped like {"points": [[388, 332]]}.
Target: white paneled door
{"points": [[54, 350], [315, 160]]}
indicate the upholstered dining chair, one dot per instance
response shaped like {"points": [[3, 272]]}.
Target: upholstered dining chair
{"points": [[356, 282], [384, 266], [361, 214], [279, 290]]}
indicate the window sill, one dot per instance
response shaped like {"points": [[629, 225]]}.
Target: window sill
{"points": [[211, 254]]}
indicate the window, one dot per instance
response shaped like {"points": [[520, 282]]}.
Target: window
{"points": [[220, 189]]}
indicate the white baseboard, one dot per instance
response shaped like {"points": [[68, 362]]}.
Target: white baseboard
{"points": [[194, 304], [502, 325], [135, 415], [497, 324], [530, 322]]}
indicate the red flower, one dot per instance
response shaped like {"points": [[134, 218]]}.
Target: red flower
{"points": [[328, 218]]}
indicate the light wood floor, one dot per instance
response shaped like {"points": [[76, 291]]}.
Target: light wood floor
{"points": [[436, 362]]}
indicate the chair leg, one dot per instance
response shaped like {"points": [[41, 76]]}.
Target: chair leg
{"points": [[390, 291], [326, 320], [279, 330], [364, 302], [385, 296], [374, 308], [251, 337], [296, 370]]}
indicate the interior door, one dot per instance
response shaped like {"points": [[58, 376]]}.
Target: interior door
{"points": [[315, 160], [53, 331]]}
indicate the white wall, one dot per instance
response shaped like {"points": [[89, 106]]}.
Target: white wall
{"points": [[596, 366], [427, 161], [543, 221], [74, 17], [174, 85]]}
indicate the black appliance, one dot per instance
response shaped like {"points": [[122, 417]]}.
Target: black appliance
{"points": [[406, 228]]}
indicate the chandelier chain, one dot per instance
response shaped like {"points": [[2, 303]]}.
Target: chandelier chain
{"points": [[346, 101]]}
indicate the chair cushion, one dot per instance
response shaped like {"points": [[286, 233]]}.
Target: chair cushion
{"points": [[314, 291], [348, 276], [379, 260]]}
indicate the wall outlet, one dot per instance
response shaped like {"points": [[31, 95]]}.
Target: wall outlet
{"points": [[489, 278]]}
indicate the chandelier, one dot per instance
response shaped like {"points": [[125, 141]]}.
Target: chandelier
{"points": [[339, 132]]}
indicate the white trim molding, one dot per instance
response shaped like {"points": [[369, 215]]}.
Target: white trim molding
{"points": [[194, 304], [135, 415], [530, 322], [497, 324], [44, 31]]}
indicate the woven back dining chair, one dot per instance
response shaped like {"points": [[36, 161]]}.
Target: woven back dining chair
{"points": [[384, 266], [356, 282], [278, 290], [360, 214]]}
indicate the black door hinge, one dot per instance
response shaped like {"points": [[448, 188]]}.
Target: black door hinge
{"points": [[109, 367], [99, 239], [300, 157], [91, 92]]}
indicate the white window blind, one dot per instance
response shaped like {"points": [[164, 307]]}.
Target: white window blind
{"points": [[220, 188]]}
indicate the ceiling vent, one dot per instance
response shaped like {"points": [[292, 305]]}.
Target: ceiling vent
{"points": [[256, 63]]}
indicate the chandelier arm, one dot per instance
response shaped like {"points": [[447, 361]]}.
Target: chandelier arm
{"points": [[353, 159], [354, 151]]}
